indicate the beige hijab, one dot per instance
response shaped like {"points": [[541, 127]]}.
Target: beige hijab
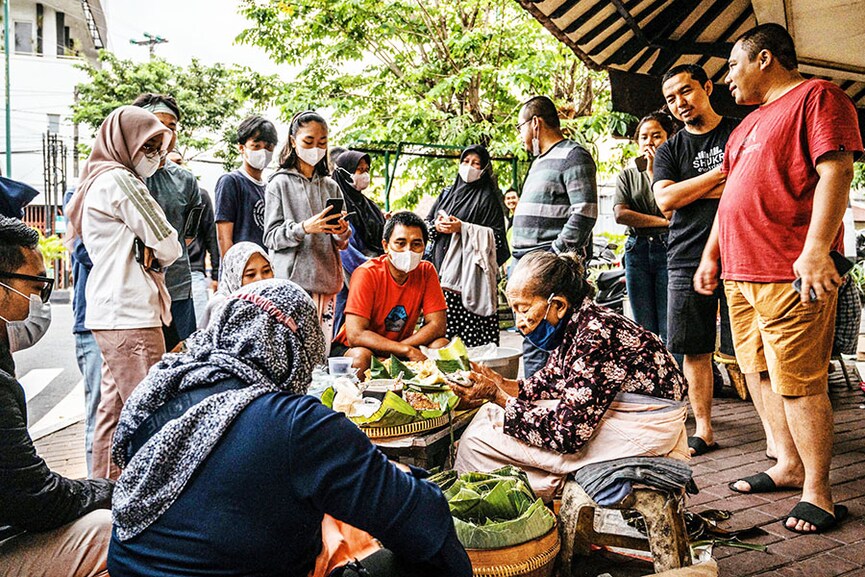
{"points": [[118, 141]]}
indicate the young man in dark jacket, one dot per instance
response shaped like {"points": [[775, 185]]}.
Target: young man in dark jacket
{"points": [[49, 525]]}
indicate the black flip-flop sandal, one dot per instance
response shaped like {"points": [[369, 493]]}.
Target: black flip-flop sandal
{"points": [[700, 446], [822, 520], [760, 483]]}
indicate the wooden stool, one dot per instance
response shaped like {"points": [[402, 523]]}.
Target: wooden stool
{"points": [[663, 512]]}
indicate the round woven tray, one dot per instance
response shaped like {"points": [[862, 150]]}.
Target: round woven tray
{"points": [[413, 428], [531, 559]]}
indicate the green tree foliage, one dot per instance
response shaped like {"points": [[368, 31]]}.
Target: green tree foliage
{"points": [[212, 99], [859, 175], [445, 71]]}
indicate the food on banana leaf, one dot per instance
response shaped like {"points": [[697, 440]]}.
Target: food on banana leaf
{"points": [[419, 401], [494, 510], [395, 411], [428, 375], [460, 378]]}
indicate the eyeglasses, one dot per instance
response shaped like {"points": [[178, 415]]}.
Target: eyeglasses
{"points": [[44, 292], [151, 152], [520, 124]]}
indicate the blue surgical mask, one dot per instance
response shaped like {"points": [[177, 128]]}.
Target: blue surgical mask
{"points": [[547, 336]]}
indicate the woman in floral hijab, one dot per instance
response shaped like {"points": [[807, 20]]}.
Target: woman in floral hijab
{"points": [[229, 469]]}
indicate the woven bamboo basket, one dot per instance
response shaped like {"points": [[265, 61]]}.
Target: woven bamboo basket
{"points": [[413, 428], [531, 559]]}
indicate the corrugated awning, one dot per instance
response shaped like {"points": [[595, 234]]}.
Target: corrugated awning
{"points": [[648, 37]]}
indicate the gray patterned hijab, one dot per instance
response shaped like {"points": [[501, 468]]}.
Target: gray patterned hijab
{"points": [[233, 263], [267, 335]]}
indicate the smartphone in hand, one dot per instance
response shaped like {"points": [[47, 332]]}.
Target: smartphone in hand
{"points": [[642, 163], [842, 266], [336, 205]]}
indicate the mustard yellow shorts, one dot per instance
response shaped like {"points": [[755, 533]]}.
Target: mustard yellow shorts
{"points": [[773, 331]]}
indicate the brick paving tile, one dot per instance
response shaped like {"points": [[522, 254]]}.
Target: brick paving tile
{"points": [[856, 573], [803, 547], [852, 530], [750, 563], [853, 552], [825, 565]]}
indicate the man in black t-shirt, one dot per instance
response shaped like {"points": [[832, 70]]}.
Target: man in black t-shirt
{"points": [[688, 184], [239, 206]]}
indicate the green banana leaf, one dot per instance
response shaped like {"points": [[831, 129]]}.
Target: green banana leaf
{"points": [[397, 367], [377, 370], [535, 522], [454, 357], [395, 411], [493, 510]]}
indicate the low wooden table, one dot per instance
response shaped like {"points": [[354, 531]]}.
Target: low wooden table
{"points": [[429, 449]]}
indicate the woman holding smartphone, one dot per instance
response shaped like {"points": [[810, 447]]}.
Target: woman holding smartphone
{"points": [[646, 247], [304, 228]]}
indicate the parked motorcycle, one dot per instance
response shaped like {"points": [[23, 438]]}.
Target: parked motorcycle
{"points": [[610, 278]]}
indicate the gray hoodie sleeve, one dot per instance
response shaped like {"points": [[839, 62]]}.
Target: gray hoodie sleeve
{"points": [[284, 213]]}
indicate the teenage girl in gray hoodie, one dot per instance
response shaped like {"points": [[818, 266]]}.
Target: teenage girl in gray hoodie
{"points": [[303, 236]]}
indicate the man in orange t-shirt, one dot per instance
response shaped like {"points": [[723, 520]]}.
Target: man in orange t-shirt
{"points": [[388, 294]]}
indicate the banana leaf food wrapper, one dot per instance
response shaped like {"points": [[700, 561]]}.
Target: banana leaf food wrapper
{"points": [[494, 510]]}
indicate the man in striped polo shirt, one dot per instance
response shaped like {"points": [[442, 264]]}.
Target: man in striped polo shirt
{"points": [[559, 204]]}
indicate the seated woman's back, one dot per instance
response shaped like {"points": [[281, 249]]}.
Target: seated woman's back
{"points": [[239, 484]]}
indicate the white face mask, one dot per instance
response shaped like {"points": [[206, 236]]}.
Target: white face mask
{"points": [[258, 159], [469, 173], [145, 167], [405, 261], [24, 334], [311, 156], [361, 181]]}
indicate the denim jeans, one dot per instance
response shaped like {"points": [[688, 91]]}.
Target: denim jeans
{"points": [[646, 278], [90, 364], [200, 295]]}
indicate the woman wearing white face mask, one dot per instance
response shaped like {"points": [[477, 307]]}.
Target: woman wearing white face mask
{"points": [[366, 221], [301, 231], [467, 225], [129, 241]]}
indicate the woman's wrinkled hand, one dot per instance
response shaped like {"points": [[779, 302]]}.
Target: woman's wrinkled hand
{"points": [[482, 389]]}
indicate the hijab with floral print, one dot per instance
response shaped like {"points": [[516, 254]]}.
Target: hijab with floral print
{"points": [[268, 336]]}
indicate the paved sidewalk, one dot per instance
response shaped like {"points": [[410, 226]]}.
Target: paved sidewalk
{"points": [[838, 553]]}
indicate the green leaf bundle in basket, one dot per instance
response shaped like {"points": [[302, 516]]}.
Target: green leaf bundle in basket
{"points": [[494, 510]]}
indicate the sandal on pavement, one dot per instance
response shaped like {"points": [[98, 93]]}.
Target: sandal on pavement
{"points": [[760, 483], [816, 516], [700, 446]]}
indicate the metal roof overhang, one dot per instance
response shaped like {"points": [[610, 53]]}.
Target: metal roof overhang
{"points": [[636, 41]]}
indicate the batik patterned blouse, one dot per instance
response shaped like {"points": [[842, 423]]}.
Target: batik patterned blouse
{"points": [[602, 354]]}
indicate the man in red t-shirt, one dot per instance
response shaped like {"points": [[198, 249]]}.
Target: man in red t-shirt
{"points": [[388, 294], [789, 166]]}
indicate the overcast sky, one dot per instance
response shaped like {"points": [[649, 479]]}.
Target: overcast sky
{"points": [[203, 29]]}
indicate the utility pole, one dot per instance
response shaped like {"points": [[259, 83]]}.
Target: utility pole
{"points": [[150, 40], [8, 103]]}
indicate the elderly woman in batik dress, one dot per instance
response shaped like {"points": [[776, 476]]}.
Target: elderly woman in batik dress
{"points": [[609, 390]]}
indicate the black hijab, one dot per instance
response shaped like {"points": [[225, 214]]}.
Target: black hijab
{"points": [[369, 221], [478, 203]]}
